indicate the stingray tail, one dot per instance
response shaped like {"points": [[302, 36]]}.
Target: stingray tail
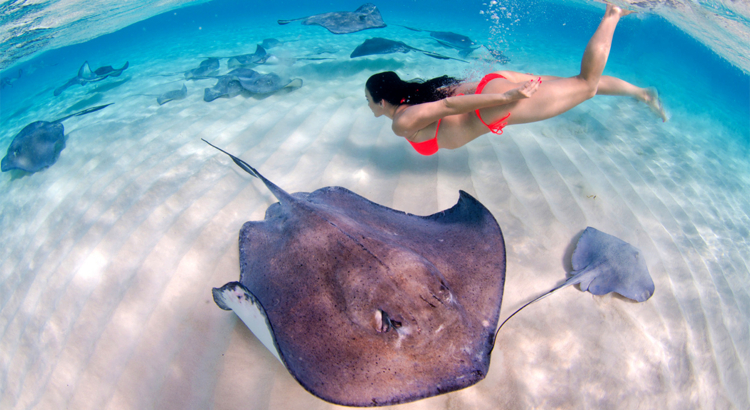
{"points": [[279, 193], [438, 56], [240, 163], [571, 281], [283, 22], [83, 112], [410, 28]]}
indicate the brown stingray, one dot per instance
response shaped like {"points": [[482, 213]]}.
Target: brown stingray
{"points": [[366, 305]]}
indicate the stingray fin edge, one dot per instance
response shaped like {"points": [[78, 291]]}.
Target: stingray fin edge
{"points": [[236, 297]]}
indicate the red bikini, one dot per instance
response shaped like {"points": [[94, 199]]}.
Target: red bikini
{"points": [[497, 126], [430, 146]]}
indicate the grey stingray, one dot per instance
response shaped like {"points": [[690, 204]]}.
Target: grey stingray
{"points": [[239, 79], [258, 57], [460, 42], [602, 264], [343, 22], [172, 95], [261, 56], [379, 45], [206, 69], [454, 40], [366, 305], [39, 144], [270, 43], [85, 76]]}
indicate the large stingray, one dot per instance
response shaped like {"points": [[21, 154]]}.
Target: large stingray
{"points": [[239, 79], [379, 45], [366, 305], [342, 22], [604, 264], [39, 144], [85, 76]]}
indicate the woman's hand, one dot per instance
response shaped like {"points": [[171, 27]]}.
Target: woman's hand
{"points": [[525, 91]]}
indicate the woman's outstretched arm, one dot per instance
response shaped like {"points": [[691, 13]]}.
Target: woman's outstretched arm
{"points": [[416, 117]]}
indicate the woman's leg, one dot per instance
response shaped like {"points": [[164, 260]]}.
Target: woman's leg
{"points": [[557, 95], [608, 85]]}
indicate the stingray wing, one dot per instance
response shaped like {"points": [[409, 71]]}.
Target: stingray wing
{"points": [[373, 306], [605, 264], [343, 22]]}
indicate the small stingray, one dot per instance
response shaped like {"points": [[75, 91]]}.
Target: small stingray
{"points": [[453, 40], [602, 264], [39, 144], [85, 76], [261, 56], [239, 79], [460, 42], [366, 305], [206, 69], [379, 45], [270, 43], [172, 95], [343, 22]]}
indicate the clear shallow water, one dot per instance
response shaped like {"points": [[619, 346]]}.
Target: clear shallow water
{"points": [[110, 253]]}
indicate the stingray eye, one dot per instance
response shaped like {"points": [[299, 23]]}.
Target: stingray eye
{"points": [[384, 323]]}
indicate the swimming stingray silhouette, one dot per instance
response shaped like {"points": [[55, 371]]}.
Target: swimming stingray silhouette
{"points": [[343, 22], [370, 306], [38, 145]]}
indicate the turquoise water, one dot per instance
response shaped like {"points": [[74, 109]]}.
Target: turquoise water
{"points": [[647, 50], [109, 255]]}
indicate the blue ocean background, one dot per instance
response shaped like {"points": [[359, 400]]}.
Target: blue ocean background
{"points": [[110, 254], [647, 50]]}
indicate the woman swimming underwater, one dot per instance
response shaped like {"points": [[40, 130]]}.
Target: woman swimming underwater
{"points": [[445, 113]]}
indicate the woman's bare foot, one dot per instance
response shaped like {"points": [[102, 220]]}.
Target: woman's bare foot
{"points": [[651, 97], [612, 9]]}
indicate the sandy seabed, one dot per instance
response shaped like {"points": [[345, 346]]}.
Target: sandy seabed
{"points": [[109, 256]]}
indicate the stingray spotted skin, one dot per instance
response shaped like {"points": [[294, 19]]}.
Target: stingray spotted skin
{"points": [[366, 305]]}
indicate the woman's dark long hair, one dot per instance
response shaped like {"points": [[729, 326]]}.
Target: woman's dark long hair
{"points": [[388, 86]]}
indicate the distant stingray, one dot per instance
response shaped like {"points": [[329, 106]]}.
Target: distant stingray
{"points": [[604, 264], [261, 56], [379, 45], [237, 80], [270, 43], [85, 76], [172, 95], [343, 22], [39, 144], [206, 69], [463, 44], [228, 86]]}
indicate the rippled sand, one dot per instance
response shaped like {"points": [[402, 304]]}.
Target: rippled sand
{"points": [[110, 255]]}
